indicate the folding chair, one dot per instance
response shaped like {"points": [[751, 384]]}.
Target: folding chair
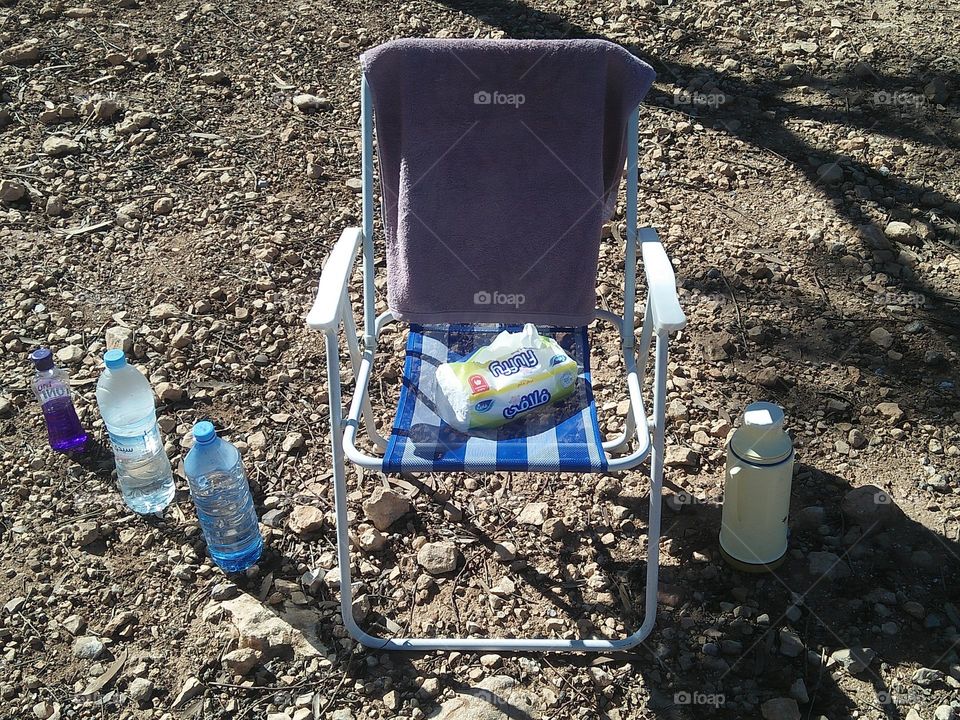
{"points": [[421, 442]]}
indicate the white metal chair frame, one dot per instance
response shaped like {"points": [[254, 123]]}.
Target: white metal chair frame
{"points": [[662, 316]]}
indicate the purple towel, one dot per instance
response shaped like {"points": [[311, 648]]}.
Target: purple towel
{"points": [[500, 161]]}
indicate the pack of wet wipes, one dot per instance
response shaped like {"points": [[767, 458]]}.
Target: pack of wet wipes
{"points": [[514, 375]]}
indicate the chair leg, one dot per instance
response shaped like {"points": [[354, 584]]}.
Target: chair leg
{"points": [[492, 644]]}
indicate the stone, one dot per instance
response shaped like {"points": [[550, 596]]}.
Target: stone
{"points": [[369, 539], [768, 377], [79, 13], [780, 709], [810, 518], [385, 507], [829, 565], [798, 691], [870, 507], [681, 456], [224, 591], [213, 77], [74, 625], [164, 311], [944, 712], [105, 109], [857, 439], [140, 691], [163, 206], [169, 392], [58, 147], [555, 528], [854, 660], [506, 551], [293, 442], [135, 121], [914, 609], [677, 412], [438, 558], [534, 514], [11, 190], [119, 338], [608, 487], [306, 520], [44, 710], [190, 689], [926, 677], [305, 102], [494, 698], [900, 231], [54, 206], [257, 440], [25, 53], [88, 647], [891, 411], [830, 173], [182, 338], [242, 660], [70, 355], [790, 643], [272, 631], [881, 337]]}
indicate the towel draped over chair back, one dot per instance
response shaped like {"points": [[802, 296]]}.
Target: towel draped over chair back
{"points": [[500, 160]]}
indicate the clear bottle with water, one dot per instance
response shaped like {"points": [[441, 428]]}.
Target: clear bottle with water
{"points": [[125, 399], [219, 488]]}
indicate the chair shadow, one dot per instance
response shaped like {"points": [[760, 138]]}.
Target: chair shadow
{"points": [[759, 118], [880, 578]]}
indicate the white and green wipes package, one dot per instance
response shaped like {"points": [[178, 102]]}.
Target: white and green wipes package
{"points": [[516, 374]]}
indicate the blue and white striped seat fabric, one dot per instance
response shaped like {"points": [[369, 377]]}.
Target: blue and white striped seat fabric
{"points": [[562, 438]]}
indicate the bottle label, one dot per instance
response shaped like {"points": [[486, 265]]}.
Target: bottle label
{"points": [[127, 447], [50, 391]]}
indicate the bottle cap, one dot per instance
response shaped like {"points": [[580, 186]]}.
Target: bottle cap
{"points": [[204, 432], [42, 359], [114, 359], [763, 416], [761, 439]]}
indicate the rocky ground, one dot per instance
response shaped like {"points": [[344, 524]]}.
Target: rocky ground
{"points": [[172, 176]]}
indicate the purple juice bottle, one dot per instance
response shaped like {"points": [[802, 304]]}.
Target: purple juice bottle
{"points": [[52, 389]]}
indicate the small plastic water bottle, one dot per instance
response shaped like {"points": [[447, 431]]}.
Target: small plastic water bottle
{"points": [[126, 404], [219, 488], [52, 388]]}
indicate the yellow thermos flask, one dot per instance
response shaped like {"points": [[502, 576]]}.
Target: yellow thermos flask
{"points": [[756, 496]]}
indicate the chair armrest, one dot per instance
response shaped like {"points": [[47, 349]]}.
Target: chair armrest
{"points": [[325, 313], [661, 283]]}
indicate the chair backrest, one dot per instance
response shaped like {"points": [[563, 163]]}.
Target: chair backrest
{"points": [[500, 161]]}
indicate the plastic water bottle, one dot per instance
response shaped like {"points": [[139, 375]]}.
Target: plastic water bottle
{"points": [[126, 404], [52, 388], [219, 488]]}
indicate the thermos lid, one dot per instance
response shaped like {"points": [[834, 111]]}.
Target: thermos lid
{"points": [[761, 439]]}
